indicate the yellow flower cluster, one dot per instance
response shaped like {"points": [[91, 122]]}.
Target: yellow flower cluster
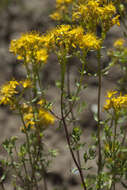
{"points": [[41, 118], [7, 92], [115, 101], [90, 41], [88, 10], [42, 55], [119, 43], [88, 13], [29, 47], [29, 120], [65, 37], [57, 37], [33, 48], [45, 118], [93, 13]]}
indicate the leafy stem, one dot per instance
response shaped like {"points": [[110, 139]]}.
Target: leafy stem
{"points": [[63, 70], [98, 114]]}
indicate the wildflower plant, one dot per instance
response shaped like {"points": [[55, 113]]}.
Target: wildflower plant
{"points": [[75, 37], [28, 100]]}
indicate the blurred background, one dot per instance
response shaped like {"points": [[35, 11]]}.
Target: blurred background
{"points": [[20, 16]]}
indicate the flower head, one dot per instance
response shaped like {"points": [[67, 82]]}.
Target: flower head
{"points": [[95, 12], [56, 15], [41, 119], [7, 92], [115, 20], [90, 41], [45, 118], [29, 47], [26, 83], [42, 55], [115, 101], [65, 37], [119, 43]]}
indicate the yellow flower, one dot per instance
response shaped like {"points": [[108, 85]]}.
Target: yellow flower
{"points": [[56, 16], [41, 102], [58, 38], [90, 41], [29, 120], [114, 101], [42, 118], [87, 11], [29, 47], [119, 43], [108, 104], [108, 16], [65, 37], [115, 20], [111, 93], [42, 55], [45, 118], [28, 116], [48, 39], [109, 9], [26, 83], [7, 92], [95, 12], [76, 33], [62, 29]]}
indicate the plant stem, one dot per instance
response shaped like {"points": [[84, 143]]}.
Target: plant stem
{"points": [[63, 69], [29, 153], [78, 158], [25, 169], [24, 166], [15, 169], [114, 186], [71, 110], [43, 95], [114, 149], [124, 137], [114, 140], [30, 158], [80, 82], [45, 181], [98, 114], [2, 185]]}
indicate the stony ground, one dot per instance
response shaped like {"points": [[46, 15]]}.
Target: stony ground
{"points": [[27, 15]]}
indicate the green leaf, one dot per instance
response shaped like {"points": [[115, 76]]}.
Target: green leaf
{"points": [[81, 107], [95, 117], [75, 171], [58, 84]]}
